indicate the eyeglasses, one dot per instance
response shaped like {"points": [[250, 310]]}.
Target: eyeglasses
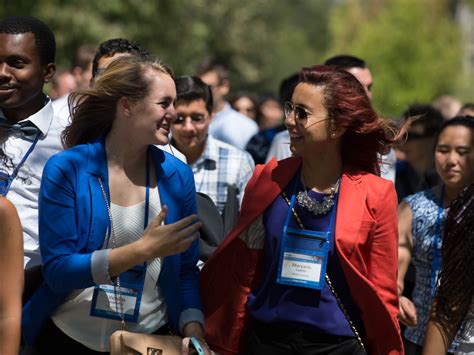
{"points": [[196, 118], [300, 112]]}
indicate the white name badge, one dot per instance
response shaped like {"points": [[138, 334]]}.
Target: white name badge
{"points": [[108, 300], [301, 268]]}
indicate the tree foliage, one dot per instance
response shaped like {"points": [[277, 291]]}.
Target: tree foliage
{"points": [[413, 48]]}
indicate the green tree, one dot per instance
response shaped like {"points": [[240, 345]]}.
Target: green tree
{"points": [[413, 48]]}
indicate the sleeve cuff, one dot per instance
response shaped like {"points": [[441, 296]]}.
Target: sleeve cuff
{"points": [[100, 267], [191, 315]]}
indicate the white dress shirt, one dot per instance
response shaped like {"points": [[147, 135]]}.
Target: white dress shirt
{"points": [[24, 189]]}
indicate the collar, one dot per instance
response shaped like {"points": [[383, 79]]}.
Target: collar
{"points": [[41, 119], [210, 153]]}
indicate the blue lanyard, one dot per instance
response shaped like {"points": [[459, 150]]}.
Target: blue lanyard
{"points": [[147, 194], [8, 179], [436, 261]]}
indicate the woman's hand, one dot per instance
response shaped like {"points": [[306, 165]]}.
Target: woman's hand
{"points": [[189, 349], [158, 241], [162, 240], [407, 313]]}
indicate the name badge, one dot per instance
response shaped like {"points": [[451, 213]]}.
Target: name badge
{"points": [[303, 258], [109, 301]]}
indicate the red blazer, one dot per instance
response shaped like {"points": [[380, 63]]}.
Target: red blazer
{"points": [[366, 239]]}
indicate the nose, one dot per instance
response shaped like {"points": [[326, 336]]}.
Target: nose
{"points": [[5, 75], [289, 120], [452, 159]]}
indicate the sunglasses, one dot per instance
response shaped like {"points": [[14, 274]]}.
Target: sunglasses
{"points": [[195, 118], [300, 112]]}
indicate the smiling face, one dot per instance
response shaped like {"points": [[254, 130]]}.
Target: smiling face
{"points": [[152, 116], [454, 156], [311, 134], [21, 75], [191, 127]]}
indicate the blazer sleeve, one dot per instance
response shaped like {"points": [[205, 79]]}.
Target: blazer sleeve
{"points": [[383, 257], [191, 308], [64, 268]]}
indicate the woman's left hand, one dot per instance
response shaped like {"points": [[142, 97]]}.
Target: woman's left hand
{"points": [[189, 349]]}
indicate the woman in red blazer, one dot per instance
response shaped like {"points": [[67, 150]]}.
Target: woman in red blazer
{"points": [[311, 267]]}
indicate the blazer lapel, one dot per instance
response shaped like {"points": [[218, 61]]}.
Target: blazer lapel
{"points": [[350, 209], [97, 167]]}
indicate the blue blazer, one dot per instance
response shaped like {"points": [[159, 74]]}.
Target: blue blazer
{"points": [[73, 223]]}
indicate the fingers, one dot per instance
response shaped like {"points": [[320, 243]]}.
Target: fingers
{"points": [[158, 220], [185, 346]]}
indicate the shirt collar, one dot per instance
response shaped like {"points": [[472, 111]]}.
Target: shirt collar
{"points": [[41, 119]]}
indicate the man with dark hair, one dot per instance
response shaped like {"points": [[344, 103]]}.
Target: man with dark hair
{"points": [[356, 67], [114, 48], [27, 49], [216, 165], [228, 125]]}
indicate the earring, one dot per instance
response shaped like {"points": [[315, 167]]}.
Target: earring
{"points": [[46, 80], [333, 135]]}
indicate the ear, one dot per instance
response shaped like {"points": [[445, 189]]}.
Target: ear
{"points": [[48, 72], [336, 132], [211, 117], [224, 87], [124, 106]]}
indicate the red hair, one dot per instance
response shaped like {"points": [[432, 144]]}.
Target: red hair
{"points": [[348, 107]]}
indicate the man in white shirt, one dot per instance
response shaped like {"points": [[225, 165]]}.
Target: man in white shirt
{"points": [[30, 131], [227, 125]]}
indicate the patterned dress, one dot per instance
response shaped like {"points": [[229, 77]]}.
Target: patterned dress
{"points": [[425, 207]]}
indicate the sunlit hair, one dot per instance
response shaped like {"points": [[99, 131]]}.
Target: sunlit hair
{"points": [[348, 107], [93, 110], [456, 288]]}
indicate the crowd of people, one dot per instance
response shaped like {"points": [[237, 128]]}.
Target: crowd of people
{"points": [[303, 223]]}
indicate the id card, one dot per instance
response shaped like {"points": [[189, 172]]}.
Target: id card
{"points": [[107, 300], [303, 258]]}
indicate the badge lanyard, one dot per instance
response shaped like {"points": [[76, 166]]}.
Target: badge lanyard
{"points": [[301, 263], [7, 179], [122, 300], [436, 262]]}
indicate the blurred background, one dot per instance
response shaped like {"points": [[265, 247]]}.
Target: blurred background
{"points": [[417, 50]]}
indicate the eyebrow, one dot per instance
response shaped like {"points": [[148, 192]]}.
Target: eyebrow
{"points": [[19, 57]]}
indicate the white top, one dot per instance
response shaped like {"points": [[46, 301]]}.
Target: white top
{"points": [[24, 189], [466, 339], [232, 127], [280, 149], [73, 316]]}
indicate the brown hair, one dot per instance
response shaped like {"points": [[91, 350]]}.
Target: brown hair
{"points": [[348, 107], [93, 111]]}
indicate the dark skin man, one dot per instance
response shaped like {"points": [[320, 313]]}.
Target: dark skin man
{"points": [[22, 76]]}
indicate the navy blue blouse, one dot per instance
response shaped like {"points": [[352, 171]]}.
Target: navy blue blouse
{"points": [[314, 310]]}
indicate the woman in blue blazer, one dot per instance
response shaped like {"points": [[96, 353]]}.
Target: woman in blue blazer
{"points": [[118, 222]]}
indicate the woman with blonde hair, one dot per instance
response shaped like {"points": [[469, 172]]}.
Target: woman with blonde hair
{"points": [[118, 225]]}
